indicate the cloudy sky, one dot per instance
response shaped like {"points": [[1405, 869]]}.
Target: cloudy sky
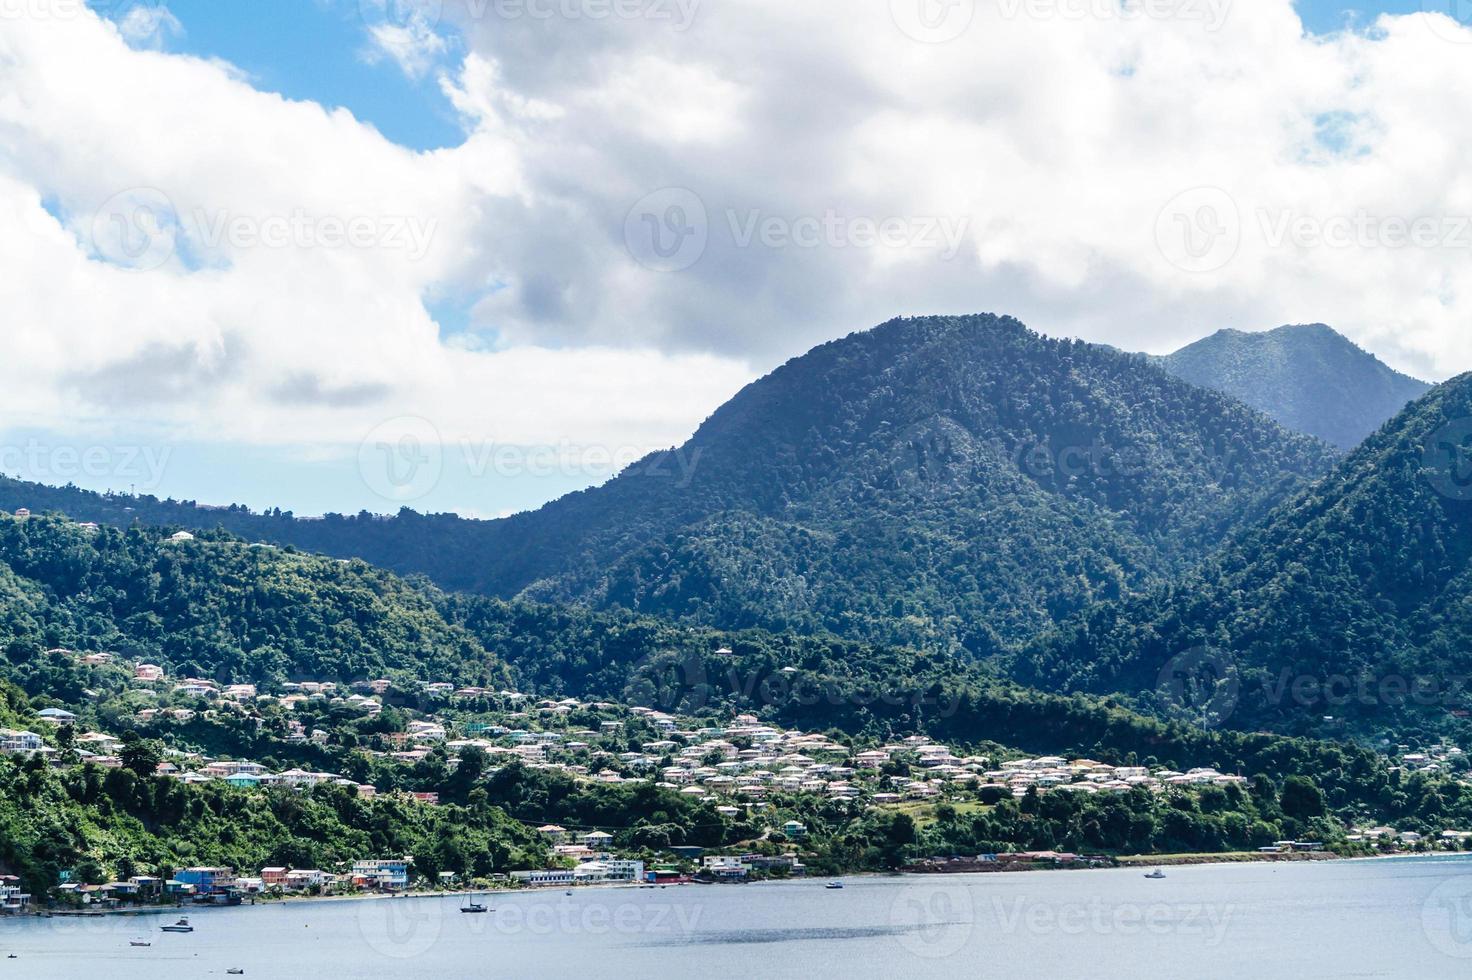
{"points": [[263, 252]]}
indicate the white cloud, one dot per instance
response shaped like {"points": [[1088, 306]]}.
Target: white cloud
{"points": [[1057, 132], [414, 47], [185, 252]]}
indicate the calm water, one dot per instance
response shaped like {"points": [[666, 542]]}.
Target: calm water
{"points": [[1394, 918]]}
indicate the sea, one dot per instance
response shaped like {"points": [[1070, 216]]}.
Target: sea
{"points": [[1404, 918]]}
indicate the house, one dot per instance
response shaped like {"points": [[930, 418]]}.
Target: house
{"points": [[207, 880], [56, 716], [794, 830], [552, 832], [14, 742], [596, 840], [302, 879], [551, 876], [724, 866], [13, 901], [148, 672], [98, 742], [181, 536], [274, 877], [388, 873]]}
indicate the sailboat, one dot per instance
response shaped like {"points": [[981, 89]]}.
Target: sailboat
{"points": [[474, 906]]}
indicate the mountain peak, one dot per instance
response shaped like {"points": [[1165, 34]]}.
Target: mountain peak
{"points": [[1308, 376]]}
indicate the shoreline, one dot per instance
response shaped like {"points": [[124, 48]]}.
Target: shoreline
{"points": [[1127, 862]]}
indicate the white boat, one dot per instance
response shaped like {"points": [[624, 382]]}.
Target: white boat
{"points": [[181, 926], [1157, 873], [833, 885]]}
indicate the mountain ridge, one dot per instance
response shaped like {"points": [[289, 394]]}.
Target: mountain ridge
{"points": [[952, 482]]}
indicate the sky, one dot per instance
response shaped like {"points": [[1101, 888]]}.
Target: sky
{"points": [[469, 255]]}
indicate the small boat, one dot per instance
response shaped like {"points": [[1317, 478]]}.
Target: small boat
{"points": [[181, 926], [568, 893], [833, 885], [237, 971], [139, 942], [1157, 873], [474, 906]]}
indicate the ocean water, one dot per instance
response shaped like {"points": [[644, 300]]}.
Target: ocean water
{"points": [[1409, 918]]}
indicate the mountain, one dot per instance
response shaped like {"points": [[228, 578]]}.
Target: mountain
{"points": [[944, 482], [1309, 378], [936, 481], [1351, 601]]}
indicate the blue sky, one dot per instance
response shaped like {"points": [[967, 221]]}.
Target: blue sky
{"points": [[317, 50]]}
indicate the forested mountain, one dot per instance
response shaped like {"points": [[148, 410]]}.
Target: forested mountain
{"points": [[1308, 377], [1352, 601], [217, 607], [947, 482]]}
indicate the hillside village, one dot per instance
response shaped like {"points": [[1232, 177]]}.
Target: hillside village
{"points": [[737, 768]]}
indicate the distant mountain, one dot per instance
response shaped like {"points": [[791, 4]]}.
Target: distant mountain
{"points": [[1336, 606], [1309, 378], [947, 482]]}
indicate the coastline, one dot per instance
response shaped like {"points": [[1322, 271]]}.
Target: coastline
{"points": [[915, 871]]}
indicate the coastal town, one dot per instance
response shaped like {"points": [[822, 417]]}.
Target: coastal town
{"points": [[735, 768]]}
